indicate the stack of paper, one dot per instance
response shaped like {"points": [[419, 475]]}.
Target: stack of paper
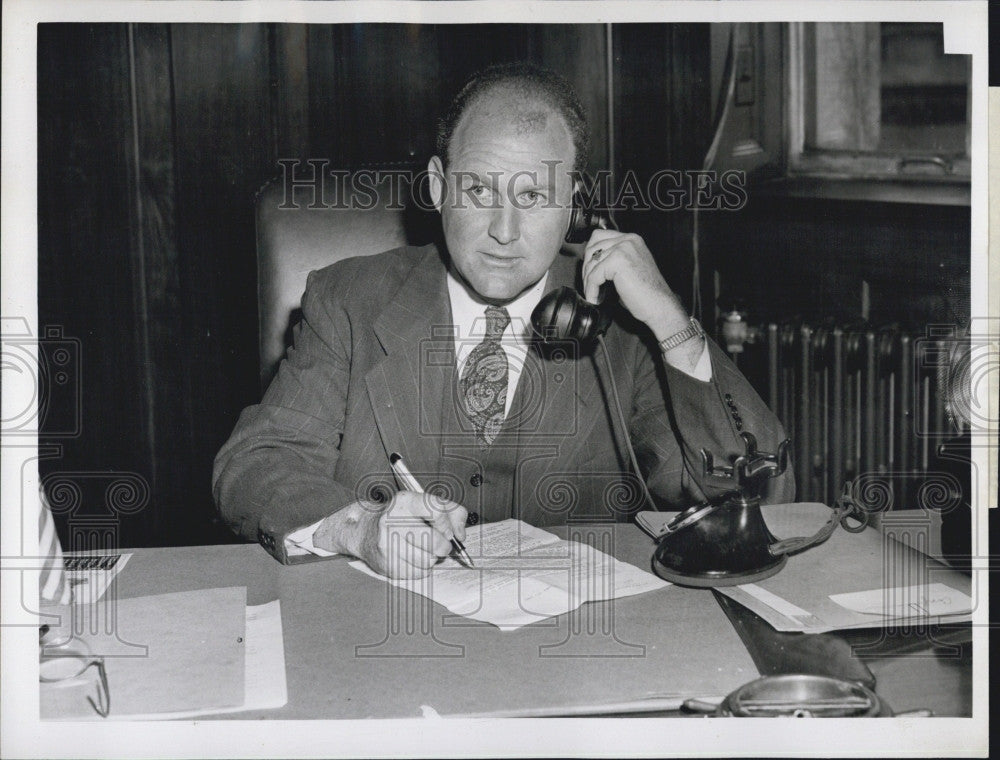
{"points": [[524, 574], [171, 656]]}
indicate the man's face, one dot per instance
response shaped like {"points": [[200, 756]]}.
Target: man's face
{"points": [[505, 204]]}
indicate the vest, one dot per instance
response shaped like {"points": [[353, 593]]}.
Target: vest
{"points": [[515, 477]]}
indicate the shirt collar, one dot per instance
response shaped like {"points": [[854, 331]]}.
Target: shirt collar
{"points": [[468, 311]]}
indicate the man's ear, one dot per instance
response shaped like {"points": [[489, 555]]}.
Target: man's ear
{"points": [[435, 179]]}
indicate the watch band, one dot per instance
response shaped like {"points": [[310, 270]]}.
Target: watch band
{"points": [[693, 330]]}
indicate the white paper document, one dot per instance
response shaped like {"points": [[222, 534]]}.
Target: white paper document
{"points": [[264, 683], [264, 680], [932, 599], [523, 574], [784, 607]]}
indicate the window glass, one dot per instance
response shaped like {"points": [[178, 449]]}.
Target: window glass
{"points": [[883, 95]]}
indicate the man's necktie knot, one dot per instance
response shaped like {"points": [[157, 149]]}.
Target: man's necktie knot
{"points": [[497, 320]]}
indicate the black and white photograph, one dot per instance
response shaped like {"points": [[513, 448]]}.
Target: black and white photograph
{"points": [[515, 379]]}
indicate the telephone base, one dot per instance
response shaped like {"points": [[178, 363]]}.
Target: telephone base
{"points": [[718, 578]]}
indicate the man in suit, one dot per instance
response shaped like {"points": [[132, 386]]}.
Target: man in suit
{"points": [[428, 353]]}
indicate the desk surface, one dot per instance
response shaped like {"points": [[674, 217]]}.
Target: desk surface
{"points": [[356, 647]]}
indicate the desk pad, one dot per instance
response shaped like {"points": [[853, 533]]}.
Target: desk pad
{"points": [[356, 647]]}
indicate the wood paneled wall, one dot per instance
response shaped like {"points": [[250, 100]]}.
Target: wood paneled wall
{"points": [[91, 281], [153, 140], [375, 91], [663, 86]]}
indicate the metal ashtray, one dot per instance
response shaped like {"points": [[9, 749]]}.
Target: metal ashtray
{"points": [[797, 696]]}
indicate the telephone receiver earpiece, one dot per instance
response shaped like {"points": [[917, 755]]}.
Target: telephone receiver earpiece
{"points": [[584, 220], [563, 314]]}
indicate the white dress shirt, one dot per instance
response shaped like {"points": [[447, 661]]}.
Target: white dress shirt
{"points": [[468, 316]]}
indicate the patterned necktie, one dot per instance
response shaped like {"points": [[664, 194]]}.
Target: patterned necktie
{"points": [[484, 379]]}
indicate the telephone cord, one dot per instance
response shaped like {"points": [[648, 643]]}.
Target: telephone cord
{"points": [[624, 423]]}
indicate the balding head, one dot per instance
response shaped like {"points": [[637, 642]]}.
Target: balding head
{"points": [[523, 95]]}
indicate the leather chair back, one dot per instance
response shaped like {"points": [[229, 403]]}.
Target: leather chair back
{"points": [[294, 239]]}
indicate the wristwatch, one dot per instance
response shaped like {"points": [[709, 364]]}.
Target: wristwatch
{"points": [[693, 330]]}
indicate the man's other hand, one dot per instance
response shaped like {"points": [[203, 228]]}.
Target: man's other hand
{"points": [[624, 259], [404, 540]]}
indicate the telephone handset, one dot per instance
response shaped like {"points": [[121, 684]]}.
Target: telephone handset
{"points": [[563, 314]]}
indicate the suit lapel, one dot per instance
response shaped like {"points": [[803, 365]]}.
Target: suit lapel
{"points": [[406, 387]]}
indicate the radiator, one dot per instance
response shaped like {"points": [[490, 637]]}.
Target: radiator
{"points": [[855, 401]]}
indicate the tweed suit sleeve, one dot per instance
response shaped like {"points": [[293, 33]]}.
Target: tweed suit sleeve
{"points": [[276, 472], [675, 415]]}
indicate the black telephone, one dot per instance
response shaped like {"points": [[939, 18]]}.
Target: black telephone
{"points": [[563, 314]]}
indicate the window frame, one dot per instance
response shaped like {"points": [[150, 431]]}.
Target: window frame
{"points": [[855, 174]]}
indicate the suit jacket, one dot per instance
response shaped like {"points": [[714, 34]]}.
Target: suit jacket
{"points": [[371, 371]]}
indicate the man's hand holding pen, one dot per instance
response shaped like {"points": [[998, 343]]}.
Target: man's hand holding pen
{"points": [[415, 533], [402, 540]]}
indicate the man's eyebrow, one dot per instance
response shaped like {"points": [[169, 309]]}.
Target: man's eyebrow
{"points": [[489, 180], [541, 181]]}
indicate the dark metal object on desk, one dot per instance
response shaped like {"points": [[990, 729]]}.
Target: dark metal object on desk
{"points": [[777, 653], [725, 542], [797, 696]]}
